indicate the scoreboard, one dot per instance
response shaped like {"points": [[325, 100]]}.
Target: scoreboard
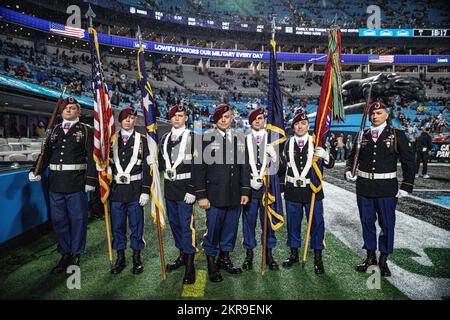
{"points": [[431, 32]]}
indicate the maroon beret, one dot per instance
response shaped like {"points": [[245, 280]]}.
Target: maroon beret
{"points": [[127, 112], [67, 101], [299, 117], [219, 111], [254, 114], [176, 108], [376, 106]]}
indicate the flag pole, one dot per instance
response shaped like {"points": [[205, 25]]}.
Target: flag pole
{"points": [[161, 245], [266, 192], [333, 28], [266, 209], [158, 220], [90, 15]]}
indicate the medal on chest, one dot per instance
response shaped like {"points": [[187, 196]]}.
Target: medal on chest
{"points": [[78, 135]]}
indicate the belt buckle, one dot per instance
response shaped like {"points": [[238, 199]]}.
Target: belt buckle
{"points": [[60, 167], [123, 178], [300, 183], [171, 174], [372, 175]]}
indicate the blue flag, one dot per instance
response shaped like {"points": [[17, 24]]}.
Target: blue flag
{"points": [[276, 136], [149, 111]]}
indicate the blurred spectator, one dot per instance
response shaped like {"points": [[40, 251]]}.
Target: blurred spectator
{"points": [[424, 147]]}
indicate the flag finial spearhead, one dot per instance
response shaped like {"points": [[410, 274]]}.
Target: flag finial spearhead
{"points": [[273, 26], [139, 34], [90, 15]]}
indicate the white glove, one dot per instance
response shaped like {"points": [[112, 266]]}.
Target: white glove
{"points": [[349, 177], [282, 195], [150, 160], [322, 153], [144, 199], [270, 150], [88, 188], [401, 193], [189, 198], [98, 168], [255, 184], [33, 178]]}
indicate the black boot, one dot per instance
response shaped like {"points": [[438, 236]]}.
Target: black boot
{"points": [[371, 260], [213, 272], [270, 261], [137, 263], [318, 264], [293, 258], [180, 261], [63, 263], [384, 270], [120, 264], [224, 262], [189, 274], [248, 261], [75, 260]]}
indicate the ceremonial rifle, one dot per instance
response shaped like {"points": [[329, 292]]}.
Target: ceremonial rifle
{"points": [[51, 124]]}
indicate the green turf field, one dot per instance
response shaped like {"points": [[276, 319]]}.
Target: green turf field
{"points": [[25, 273]]}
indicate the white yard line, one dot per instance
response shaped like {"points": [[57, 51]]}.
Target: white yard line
{"points": [[342, 220]]}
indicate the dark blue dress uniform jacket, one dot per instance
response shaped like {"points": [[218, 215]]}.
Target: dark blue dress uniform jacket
{"points": [[130, 192], [382, 157], [298, 194], [176, 190], [224, 181], [75, 147]]}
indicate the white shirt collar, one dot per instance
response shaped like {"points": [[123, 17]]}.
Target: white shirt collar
{"points": [[223, 133], [304, 138], [378, 128], [260, 133], [127, 133], [72, 122], [178, 132]]}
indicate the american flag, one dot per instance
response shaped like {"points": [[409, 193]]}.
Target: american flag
{"points": [[381, 59], [104, 128], [66, 31], [149, 111]]}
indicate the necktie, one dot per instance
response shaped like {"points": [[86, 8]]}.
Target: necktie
{"points": [[173, 138], [125, 139], [301, 144], [66, 127], [258, 139]]}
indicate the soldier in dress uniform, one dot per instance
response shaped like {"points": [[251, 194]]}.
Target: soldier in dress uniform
{"points": [[295, 183], [222, 186], [130, 190], [175, 159], [377, 186], [69, 154], [256, 145]]}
